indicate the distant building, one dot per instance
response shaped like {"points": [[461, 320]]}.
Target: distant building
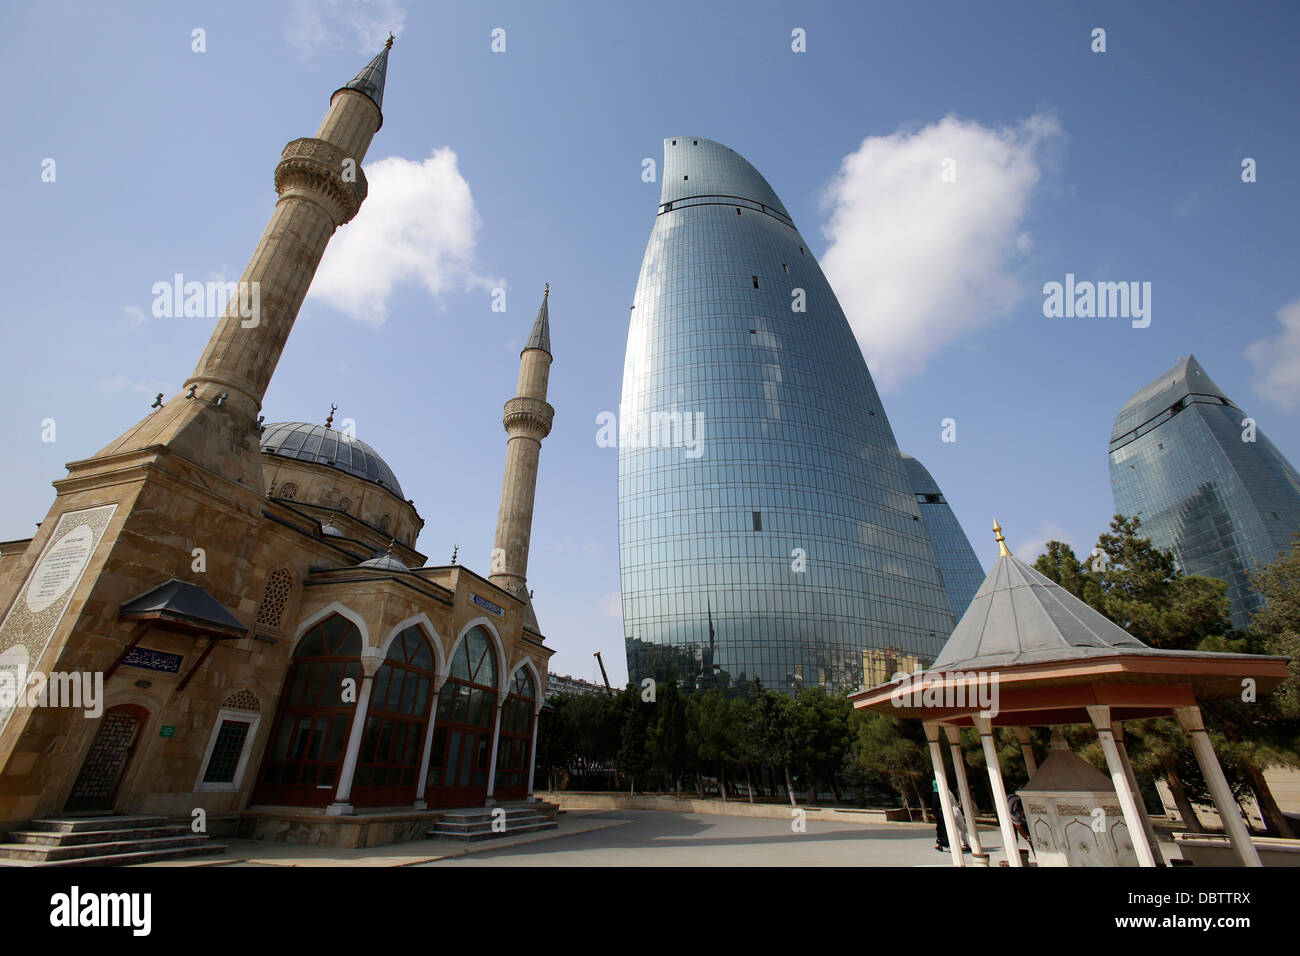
{"points": [[564, 684], [767, 527], [880, 666], [1205, 482], [958, 566]]}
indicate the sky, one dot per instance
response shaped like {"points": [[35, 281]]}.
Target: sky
{"points": [[945, 161]]}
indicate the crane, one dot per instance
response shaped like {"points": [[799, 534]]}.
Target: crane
{"points": [[603, 675]]}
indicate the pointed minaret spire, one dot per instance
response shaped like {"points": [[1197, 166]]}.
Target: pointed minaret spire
{"points": [[540, 336], [527, 421], [370, 80], [1003, 552]]}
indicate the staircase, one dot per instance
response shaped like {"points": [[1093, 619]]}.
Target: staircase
{"points": [[103, 841], [475, 823]]}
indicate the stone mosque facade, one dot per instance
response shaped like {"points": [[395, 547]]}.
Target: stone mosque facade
{"points": [[272, 646]]}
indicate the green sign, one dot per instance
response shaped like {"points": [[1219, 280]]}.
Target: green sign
{"points": [[166, 731]]}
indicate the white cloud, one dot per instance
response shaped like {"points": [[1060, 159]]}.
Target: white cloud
{"points": [[916, 261], [1030, 548], [418, 224], [611, 605], [1277, 360], [316, 26]]}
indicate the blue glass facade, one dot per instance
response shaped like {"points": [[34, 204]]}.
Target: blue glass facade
{"points": [[1181, 460], [958, 566], [767, 527]]}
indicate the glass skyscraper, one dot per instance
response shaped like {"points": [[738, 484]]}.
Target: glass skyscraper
{"points": [[767, 527], [958, 566], [1206, 484]]}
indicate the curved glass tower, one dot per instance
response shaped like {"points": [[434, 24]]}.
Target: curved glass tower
{"points": [[1183, 460], [767, 527], [958, 566]]}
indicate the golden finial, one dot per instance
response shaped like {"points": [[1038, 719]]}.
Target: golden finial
{"points": [[388, 44], [392, 543], [1002, 542], [329, 422], [547, 292]]}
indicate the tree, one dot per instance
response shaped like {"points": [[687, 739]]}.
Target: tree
{"points": [[772, 732], [633, 758], [712, 732], [887, 753], [668, 746]]}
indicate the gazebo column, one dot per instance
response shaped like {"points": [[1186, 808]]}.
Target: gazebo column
{"points": [[1010, 846], [945, 800], [1026, 751], [1189, 718], [1100, 715], [1137, 793], [963, 787]]}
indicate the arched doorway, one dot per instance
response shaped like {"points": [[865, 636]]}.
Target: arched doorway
{"points": [[106, 762], [462, 736], [515, 749], [301, 767], [393, 741]]}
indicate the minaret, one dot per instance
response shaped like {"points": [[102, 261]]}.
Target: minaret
{"points": [[321, 186], [527, 421]]}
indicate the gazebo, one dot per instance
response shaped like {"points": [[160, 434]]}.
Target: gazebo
{"points": [[1028, 653]]}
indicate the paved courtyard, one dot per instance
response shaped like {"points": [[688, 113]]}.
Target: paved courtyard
{"points": [[664, 838]]}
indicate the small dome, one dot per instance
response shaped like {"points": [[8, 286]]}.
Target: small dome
{"points": [[329, 446], [384, 562]]}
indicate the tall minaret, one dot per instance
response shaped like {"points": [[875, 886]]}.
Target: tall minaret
{"points": [[527, 421], [321, 186]]}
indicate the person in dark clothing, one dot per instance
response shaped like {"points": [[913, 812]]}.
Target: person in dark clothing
{"points": [[936, 807]]}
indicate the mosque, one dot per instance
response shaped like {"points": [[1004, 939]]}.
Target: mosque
{"points": [[271, 643]]}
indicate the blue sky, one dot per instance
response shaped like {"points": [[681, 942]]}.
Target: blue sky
{"points": [[1118, 166]]}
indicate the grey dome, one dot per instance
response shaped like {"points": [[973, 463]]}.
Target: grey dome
{"points": [[385, 562], [329, 446]]}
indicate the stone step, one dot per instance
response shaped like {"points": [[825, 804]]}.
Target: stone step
{"points": [[80, 824], [473, 832], [54, 838], [34, 853], [133, 858]]}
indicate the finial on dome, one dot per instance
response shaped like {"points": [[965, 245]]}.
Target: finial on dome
{"points": [[329, 422], [455, 549], [1002, 542], [547, 291], [388, 44], [392, 543]]}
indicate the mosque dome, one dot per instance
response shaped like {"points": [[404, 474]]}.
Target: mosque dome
{"points": [[321, 445], [385, 562]]}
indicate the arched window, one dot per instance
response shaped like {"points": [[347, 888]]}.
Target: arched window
{"points": [[462, 736], [301, 766], [393, 741], [514, 750]]}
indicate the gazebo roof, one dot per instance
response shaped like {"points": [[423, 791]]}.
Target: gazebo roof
{"points": [[1019, 616], [1051, 655]]}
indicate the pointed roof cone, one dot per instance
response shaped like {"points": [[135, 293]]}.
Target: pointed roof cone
{"points": [[1019, 616], [540, 337], [370, 80]]}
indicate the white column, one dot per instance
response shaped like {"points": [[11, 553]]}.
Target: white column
{"points": [[420, 802], [369, 668], [945, 801], [963, 787], [1137, 793], [1100, 715], [492, 760], [532, 753], [1189, 718], [1010, 846], [1026, 751]]}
